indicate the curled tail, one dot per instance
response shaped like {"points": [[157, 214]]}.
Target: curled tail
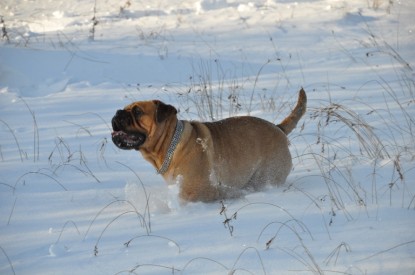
{"points": [[290, 122]]}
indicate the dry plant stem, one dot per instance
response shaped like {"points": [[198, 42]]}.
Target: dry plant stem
{"points": [[203, 259], [111, 222], [332, 186], [369, 141], [105, 122], [63, 229], [386, 250], [42, 174], [147, 196], [411, 202], [35, 132], [284, 224], [314, 267], [4, 33], [141, 219], [15, 139], [336, 252], [11, 212], [101, 150], [172, 269], [127, 244], [313, 201], [110, 204], [213, 94], [8, 259], [8, 185], [265, 203], [227, 220], [83, 128], [384, 47], [87, 173], [243, 252], [59, 145], [94, 23], [255, 83]]}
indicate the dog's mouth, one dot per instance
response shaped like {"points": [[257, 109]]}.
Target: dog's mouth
{"points": [[126, 140]]}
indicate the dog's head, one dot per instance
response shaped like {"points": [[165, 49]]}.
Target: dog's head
{"points": [[138, 123]]}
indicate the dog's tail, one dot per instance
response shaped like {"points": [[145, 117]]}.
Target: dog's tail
{"points": [[290, 122]]}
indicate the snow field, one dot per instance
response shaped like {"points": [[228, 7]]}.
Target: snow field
{"points": [[70, 202]]}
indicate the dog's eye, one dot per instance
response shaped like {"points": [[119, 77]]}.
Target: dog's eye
{"points": [[137, 112]]}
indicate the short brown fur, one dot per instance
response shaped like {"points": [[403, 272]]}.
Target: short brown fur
{"points": [[217, 160]]}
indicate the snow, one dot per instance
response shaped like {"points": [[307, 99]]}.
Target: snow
{"points": [[72, 203]]}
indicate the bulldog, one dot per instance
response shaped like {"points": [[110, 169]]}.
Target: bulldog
{"points": [[208, 160]]}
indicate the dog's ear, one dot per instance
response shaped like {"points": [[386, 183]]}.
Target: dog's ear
{"points": [[163, 111]]}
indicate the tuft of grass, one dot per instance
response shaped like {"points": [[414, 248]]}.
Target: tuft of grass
{"points": [[66, 156], [378, 45], [336, 253], [215, 93], [156, 38], [204, 94], [368, 140], [398, 137], [61, 147]]}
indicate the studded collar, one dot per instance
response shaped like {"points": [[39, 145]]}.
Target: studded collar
{"points": [[173, 144]]}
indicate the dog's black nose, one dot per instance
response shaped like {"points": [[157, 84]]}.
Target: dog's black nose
{"points": [[121, 120], [115, 120], [114, 124], [119, 112]]}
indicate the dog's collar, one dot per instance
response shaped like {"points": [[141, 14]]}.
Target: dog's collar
{"points": [[173, 144]]}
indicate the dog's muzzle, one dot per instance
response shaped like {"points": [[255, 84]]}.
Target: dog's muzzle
{"points": [[122, 138]]}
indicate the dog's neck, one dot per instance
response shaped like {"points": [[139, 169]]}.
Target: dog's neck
{"points": [[172, 147]]}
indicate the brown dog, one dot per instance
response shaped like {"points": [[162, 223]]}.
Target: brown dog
{"points": [[211, 160]]}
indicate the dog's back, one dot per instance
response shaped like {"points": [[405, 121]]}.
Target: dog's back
{"points": [[246, 152], [252, 152]]}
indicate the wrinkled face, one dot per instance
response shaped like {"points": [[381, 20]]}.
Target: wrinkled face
{"points": [[136, 123]]}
